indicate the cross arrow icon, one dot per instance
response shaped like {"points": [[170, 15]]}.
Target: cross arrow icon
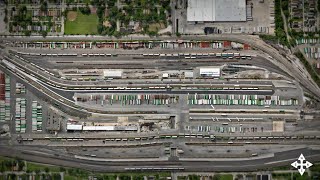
{"points": [[301, 165]]}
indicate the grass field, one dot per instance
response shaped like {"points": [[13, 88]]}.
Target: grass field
{"points": [[82, 24], [226, 177], [34, 167]]}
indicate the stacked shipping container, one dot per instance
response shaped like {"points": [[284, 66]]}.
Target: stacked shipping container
{"points": [[20, 117], [212, 99], [36, 116]]}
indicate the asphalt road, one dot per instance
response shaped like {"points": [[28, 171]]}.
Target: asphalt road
{"points": [[279, 159]]}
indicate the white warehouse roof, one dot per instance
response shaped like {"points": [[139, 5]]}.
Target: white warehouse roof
{"points": [[74, 127], [98, 128], [216, 10], [165, 75], [213, 72], [126, 128], [112, 73], [188, 74]]}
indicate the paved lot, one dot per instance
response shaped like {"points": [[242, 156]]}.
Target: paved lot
{"points": [[146, 152], [2, 15], [197, 151], [260, 13]]}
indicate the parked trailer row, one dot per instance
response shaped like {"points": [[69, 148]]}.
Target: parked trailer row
{"points": [[231, 139], [213, 99], [307, 41], [130, 45], [36, 116], [186, 55], [312, 52], [101, 54], [5, 107], [42, 54], [194, 55], [130, 99], [20, 117]]}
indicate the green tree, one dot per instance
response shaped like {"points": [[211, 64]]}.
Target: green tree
{"points": [[56, 176], [117, 34], [100, 28], [216, 177], [44, 6], [137, 177], [44, 33], [2, 168], [27, 33], [62, 169], [124, 177]]}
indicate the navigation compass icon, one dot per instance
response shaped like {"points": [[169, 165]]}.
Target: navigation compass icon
{"points": [[301, 164]]}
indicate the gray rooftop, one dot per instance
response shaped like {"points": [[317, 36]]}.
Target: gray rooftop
{"points": [[216, 10]]}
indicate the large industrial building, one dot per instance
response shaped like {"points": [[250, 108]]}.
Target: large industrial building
{"points": [[216, 10], [210, 72], [80, 127], [112, 73]]}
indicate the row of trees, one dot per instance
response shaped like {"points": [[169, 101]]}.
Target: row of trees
{"points": [[309, 68], [279, 31], [285, 8], [135, 10], [85, 10], [102, 29], [147, 12], [124, 177], [5, 19], [13, 176], [24, 19], [197, 177], [8, 164], [293, 33]]}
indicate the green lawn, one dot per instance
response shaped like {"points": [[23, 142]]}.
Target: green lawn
{"points": [[34, 167], [226, 177], [68, 177], [84, 24], [86, 1]]}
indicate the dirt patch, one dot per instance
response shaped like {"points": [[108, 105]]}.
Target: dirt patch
{"points": [[156, 26], [278, 126], [106, 24], [72, 15]]}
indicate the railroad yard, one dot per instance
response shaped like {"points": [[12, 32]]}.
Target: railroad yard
{"points": [[224, 98], [159, 89]]}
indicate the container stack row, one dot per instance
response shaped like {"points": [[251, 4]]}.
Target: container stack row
{"points": [[20, 117], [133, 45], [220, 129], [7, 97], [212, 99], [20, 88], [36, 116], [130, 99], [307, 41], [2, 97], [312, 52]]}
